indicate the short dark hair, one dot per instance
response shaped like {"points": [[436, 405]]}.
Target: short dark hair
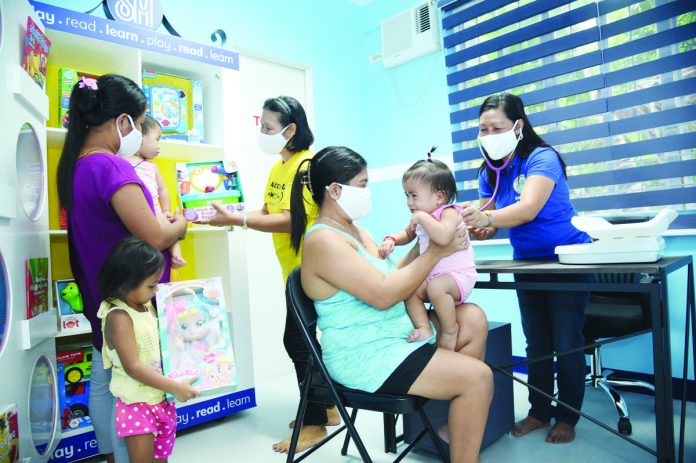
{"points": [[290, 111], [332, 164], [129, 263], [89, 107], [148, 124], [513, 107], [435, 174]]}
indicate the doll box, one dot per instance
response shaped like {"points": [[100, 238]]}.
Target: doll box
{"points": [[195, 336], [199, 184]]}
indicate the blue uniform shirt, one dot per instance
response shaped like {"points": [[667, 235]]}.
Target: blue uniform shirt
{"points": [[551, 227]]}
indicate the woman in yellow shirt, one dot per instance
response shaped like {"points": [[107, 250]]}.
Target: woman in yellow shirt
{"points": [[285, 132]]}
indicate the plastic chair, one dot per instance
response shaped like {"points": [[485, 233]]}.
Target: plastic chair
{"points": [[318, 386], [610, 315]]}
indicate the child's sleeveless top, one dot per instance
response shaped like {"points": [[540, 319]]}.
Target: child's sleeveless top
{"points": [[460, 260], [147, 171], [362, 345], [123, 386]]}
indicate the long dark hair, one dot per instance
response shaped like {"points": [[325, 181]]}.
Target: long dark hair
{"points": [[129, 263], [513, 108], [114, 96], [291, 111], [332, 164], [435, 174]]}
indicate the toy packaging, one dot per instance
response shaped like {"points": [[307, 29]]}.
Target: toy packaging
{"points": [[74, 368], [9, 434], [67, 78], [177, 104], [36, 271], [70, 307], [202, 183], [36, 48], [195, 334]]}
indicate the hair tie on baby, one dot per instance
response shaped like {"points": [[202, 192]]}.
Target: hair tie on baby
{"points": [[430, 153], [87, 82]]}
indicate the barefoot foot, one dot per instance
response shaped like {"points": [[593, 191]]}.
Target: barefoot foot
{"points": [[527, 425], [561, 433], [420, 334], [309, 436], [443, 432], [334, 418], [178, 261]]}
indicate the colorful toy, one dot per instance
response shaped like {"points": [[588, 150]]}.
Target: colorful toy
{"points": [[195, 335], [73, 402], [36, 48], [67, 78], [36, 273], [202, 183], [77, 362], [71, 295], [177, 104], [9, 434]]}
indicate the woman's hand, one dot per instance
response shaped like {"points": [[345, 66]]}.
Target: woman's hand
{"points": [[460, 242], [222, 217], [178, 219], [473, 217], [482, 233]]}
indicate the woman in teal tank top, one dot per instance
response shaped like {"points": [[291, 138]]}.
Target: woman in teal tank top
{"points": [[359, 300]]}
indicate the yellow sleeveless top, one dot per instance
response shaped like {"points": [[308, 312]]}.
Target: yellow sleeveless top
{"points": [[123, 386]]}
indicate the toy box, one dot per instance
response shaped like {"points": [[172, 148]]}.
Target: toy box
{"points": [[9, 434], [73, 401], [202, 183], [70, 307], [67, 78], [177, 104], [195, 334], [36, 48], [77, 361], [36, 271]]}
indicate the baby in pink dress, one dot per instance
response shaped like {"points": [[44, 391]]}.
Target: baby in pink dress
{"points": [[430, 189], [152, 178]]}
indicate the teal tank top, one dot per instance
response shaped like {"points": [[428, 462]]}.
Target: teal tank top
{"points": [[362, 345]]}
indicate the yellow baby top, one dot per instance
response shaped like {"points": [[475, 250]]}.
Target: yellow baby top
{"points": [[277, 199], [123, 386]]}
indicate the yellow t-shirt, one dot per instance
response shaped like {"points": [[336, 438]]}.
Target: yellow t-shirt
{"points": [[277, 199], [123, 386]]}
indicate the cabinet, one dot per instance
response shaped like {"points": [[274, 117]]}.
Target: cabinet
{"points": [[209, 251]]}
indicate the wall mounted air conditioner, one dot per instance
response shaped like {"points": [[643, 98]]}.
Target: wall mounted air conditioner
{"points": [[410, 34]]}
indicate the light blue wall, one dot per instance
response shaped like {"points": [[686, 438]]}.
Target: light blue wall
{"points": [[391, 117]]}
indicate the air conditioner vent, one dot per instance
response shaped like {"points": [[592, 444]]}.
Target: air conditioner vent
{"points": [[410, 34], [423, 19]]}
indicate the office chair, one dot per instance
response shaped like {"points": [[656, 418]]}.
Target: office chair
{"points": [[318, 386], [611, 315]]}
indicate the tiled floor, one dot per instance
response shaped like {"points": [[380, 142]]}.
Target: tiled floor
{"points": [[248, 436]]}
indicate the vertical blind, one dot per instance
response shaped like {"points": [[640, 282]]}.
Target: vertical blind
{"points": [[611, 84]]}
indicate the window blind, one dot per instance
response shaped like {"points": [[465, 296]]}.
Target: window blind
{"points": [[611, 84]]}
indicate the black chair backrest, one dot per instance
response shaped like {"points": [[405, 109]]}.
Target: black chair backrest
{"points": [[297, 298]]}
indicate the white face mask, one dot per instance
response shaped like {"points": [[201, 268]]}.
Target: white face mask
{"points": [[356, 202], [273, 144], [499, 145], [130, 144]]}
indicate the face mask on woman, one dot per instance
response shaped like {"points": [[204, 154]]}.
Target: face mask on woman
{"points": [[499, 145], [273, 144], [356, 202], [130, 144]]}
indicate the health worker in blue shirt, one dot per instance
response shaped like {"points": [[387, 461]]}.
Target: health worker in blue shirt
{"points": [[523, 187]]}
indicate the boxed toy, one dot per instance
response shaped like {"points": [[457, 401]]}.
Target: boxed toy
{"points": [[202, 183], [36, 48], [70, 306], [73, 401], [67, 78], [195, 334], [36, 271], [9, 434], [177, 104]]}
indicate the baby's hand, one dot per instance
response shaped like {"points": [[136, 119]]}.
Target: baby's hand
{"points": [[183, 391], [415, 219], [386, 248], [169, 216]]}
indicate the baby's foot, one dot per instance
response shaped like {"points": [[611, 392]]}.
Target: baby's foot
{"points": [[178, 261], [420, 334]]}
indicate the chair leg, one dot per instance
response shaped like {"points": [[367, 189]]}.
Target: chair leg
{"points": [[300, 414], [439, 445], [624, 424], [346, 441], [389, 432]]}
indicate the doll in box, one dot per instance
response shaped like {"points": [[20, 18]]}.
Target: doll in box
{"points": [[192, 326]]}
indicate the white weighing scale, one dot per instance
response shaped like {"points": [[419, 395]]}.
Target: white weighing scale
{"points": [[624, 243]]}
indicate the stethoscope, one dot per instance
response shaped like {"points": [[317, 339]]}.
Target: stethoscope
{"points": [[497, 171]]}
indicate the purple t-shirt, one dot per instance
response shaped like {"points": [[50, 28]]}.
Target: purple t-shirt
{"points": [[94, 228]]}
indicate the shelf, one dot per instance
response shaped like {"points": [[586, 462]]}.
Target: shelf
{"points": [[27, 92], [174, 150], [76, 432], [84, 330], [34, 331], [57, 232]]}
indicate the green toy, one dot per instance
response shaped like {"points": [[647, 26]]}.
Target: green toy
{"points": [[71, 295]]}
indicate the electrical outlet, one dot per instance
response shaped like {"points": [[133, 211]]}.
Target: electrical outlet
{"points": [[375, 58]]}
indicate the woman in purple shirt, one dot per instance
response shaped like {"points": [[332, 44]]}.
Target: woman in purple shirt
{"points": [[105, 202]]}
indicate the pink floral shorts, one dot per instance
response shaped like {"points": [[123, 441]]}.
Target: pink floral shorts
{"points": [[143, 418]]}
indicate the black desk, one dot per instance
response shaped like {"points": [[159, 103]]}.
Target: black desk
{"points": [[657, 289]]}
